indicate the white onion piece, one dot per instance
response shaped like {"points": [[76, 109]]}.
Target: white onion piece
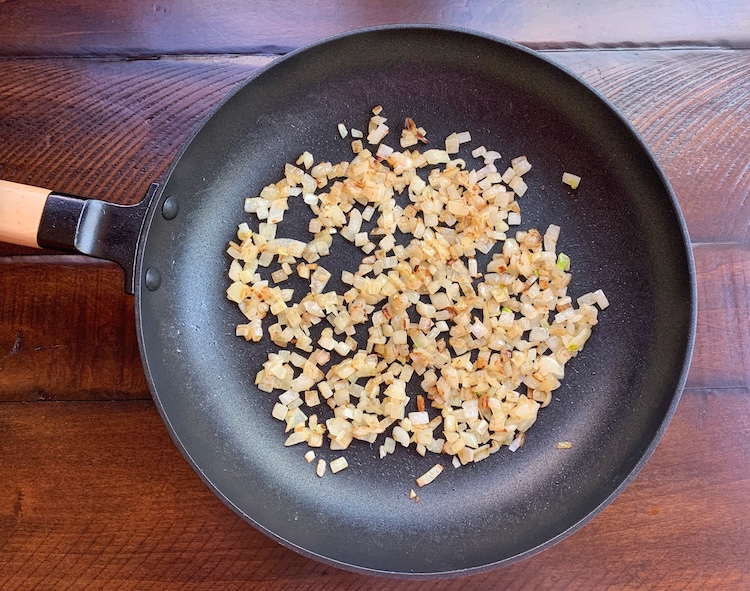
{"points": [[571, 180], [338, 464], [517, 442], [430, 475]]}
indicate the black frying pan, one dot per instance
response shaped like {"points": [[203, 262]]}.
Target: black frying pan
{"points": [[622, 229]]}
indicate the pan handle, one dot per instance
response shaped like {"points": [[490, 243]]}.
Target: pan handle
{"points": [[21, 208], [40, 218]]}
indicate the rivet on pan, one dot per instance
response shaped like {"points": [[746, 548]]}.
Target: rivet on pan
{"points": [[153, 278], [170, 208]]}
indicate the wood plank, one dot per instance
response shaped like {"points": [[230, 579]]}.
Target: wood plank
{"points": [[687, 108], [723, 334], [138, 28], [67, 330], [94, 495], [107, 129]]}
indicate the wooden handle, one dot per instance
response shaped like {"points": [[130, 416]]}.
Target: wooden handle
{"points": [[20, 213]]}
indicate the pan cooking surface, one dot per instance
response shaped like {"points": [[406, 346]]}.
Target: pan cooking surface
{"points": [[621, 230]]}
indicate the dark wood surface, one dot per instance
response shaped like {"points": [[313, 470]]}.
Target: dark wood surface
{"points": [[120, 509], [94, 495], [145, 28]]}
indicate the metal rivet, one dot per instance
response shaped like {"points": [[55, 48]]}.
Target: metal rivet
{"points": [[153, 278], [170, 208]]}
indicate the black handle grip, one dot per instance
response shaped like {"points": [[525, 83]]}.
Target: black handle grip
{"points": [[95, 228]]}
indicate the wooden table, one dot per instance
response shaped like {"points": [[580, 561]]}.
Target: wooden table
{"points": [[96, 98]]}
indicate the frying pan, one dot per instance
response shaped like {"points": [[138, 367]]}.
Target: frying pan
{"points": [[622, 229]]}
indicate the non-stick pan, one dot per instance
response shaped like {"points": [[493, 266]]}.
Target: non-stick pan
{"points": [[622, 228]]}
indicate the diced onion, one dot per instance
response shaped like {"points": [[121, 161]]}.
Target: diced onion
{"points": [[487, 346], [430, 475], [517, 443], [377, 134], [520, 165], [601, 299], [490, 157], [338, 464], [571, 179]]}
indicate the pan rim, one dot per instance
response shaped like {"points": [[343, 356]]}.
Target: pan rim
{"points": [[686, 354]]}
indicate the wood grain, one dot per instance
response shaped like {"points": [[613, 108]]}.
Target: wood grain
{"points": [[690, 108], [93, 493], [723, 335], [67, 331], [138, 28], [62, 120], [108, 129], [95, 496]]}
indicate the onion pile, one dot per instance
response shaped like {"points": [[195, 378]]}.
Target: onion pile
{"points": [[484, 348]]}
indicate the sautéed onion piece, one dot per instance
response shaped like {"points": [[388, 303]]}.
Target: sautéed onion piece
{"points": [[487, 347]]}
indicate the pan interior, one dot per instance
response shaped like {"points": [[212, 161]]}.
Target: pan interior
{"points": [[620, 229]]}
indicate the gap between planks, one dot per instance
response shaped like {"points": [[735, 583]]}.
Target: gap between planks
{"points": [[261, 59]]}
